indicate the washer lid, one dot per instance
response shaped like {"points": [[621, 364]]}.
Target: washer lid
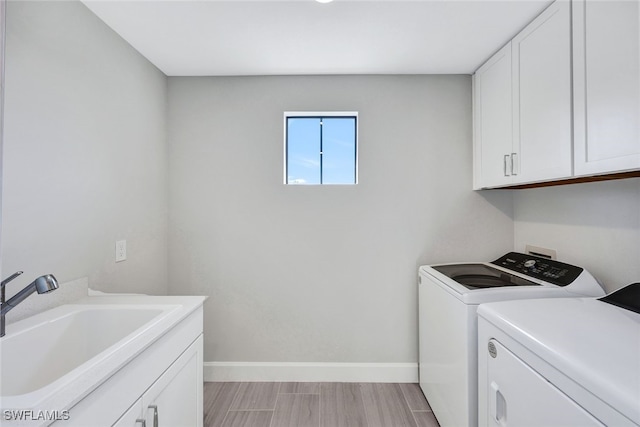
{"points": [[481, 276], [595, 344]]}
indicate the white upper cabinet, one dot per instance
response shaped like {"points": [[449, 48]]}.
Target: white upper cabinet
{"points": [[492, 121], [522, 105], [542, 97], [573, 105], [606, 80]]}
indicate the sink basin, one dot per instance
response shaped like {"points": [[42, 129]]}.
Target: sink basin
{"points": [[50, 346]]}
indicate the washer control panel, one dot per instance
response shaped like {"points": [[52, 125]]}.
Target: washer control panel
{"points": [[551, 271]]}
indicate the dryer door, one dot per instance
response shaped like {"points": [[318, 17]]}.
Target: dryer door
{"points": [[518, 396]]}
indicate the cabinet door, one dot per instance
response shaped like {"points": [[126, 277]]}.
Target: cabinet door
{"points": [[175, 399], [606, 85], [518, 396], [542, 97], [133, 417], [493, 121]]}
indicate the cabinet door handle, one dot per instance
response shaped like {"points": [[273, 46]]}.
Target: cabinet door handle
{"points": [[143, 423], [506, 159], [155, 414], [514, 164]]}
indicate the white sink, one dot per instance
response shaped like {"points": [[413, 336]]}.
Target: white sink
{"points": [[43, 353]]}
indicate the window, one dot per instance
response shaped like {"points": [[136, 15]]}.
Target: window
{"points": [[321, 148]]}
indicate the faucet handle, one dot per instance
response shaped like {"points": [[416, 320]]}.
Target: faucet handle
{"points": [[10, 278]]}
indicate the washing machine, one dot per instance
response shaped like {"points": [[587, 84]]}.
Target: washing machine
{"points": [[560, 362], [449, 295]]}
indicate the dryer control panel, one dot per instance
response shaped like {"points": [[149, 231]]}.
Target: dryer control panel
{"points": [[549, 270]]}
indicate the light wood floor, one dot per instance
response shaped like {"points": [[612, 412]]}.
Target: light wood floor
{"points": [[315, 405]]}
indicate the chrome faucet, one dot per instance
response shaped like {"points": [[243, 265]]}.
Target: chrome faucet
{"points": [[42, 285]]}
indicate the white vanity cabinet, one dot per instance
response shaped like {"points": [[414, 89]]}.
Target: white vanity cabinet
{"points": [[164, 383], [133, 417], [606, 82], [522, 105], [175, 399]]}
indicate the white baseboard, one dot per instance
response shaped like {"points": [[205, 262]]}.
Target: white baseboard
{"points": [[311, 372]]}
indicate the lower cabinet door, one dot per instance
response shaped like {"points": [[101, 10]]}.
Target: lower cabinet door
{"points": [[518, 396], [175, 399], [133, 417]]}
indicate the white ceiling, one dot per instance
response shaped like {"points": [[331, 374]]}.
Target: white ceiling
{"points": [[276, 37]]}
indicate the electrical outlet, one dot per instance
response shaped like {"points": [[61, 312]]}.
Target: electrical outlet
{"points": [[121, 250]]}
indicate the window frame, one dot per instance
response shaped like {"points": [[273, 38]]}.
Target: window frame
{"points": [[319, 115]]}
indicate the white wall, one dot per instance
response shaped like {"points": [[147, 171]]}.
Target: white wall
{"points": [[84, 152], [594, 225], [321, 274]]}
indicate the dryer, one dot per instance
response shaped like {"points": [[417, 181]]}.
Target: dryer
{"points": [[560, 362], [449, 295]]}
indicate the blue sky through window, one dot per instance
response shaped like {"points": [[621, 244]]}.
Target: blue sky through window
{"points": [[321, 150]]}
